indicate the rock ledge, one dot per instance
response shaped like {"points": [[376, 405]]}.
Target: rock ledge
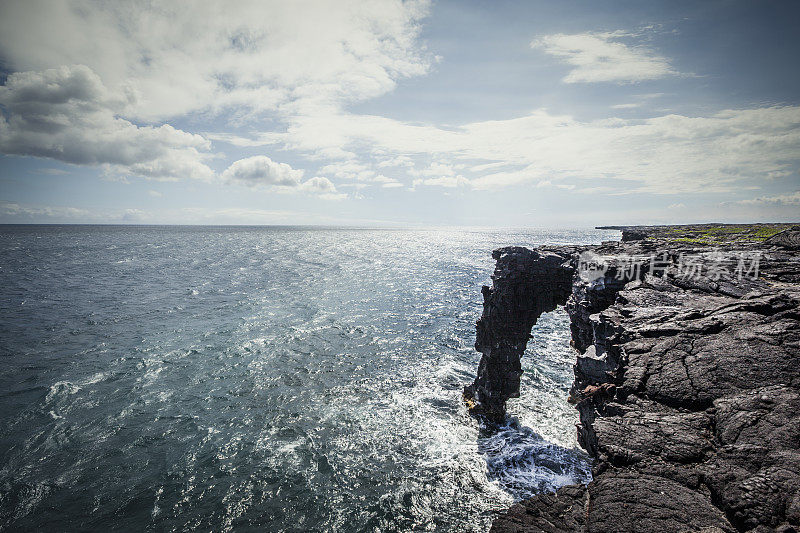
{"points": [[687, 381]]}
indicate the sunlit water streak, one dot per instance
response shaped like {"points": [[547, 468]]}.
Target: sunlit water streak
{"points": [[218, 378]]}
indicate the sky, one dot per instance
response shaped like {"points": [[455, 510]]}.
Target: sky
{"points": [[399, 114]]}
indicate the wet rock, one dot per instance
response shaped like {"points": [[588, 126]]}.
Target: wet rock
{"points": [[687, 385], [550, 513]]}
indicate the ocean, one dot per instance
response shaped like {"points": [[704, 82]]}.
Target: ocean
{"points": [[172, 378]]}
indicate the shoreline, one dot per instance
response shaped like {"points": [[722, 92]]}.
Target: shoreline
{"points": [[686, 377]]}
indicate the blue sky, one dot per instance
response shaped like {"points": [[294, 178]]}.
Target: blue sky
{"points": [[399, 113]]}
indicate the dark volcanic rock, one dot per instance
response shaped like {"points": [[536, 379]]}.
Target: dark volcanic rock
{"points": [[633, 235], [525, 284], [789, 238], [687, 383], [563, 511]]}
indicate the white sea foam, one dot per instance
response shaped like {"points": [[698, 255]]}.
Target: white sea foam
{"points": [[318, 387]]}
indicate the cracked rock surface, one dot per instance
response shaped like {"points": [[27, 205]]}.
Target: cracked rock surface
{"points": [[687, 385]]}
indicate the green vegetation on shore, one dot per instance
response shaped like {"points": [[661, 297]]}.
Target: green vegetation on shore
{"points": [[710, 234]]}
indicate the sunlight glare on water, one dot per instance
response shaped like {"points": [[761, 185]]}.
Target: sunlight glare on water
{"points": [[275, 378]]}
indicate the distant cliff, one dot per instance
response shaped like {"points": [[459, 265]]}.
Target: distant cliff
{"points": [[687, 379]]}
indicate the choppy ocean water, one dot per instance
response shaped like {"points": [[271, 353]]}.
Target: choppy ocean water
{"points": [[265, 378]]}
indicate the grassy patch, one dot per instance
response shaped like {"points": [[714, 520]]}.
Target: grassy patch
{"points": [[691, 240], [767, 232], [717, 234]]}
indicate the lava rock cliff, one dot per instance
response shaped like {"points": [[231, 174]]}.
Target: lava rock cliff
{"points": [[687, 382]]}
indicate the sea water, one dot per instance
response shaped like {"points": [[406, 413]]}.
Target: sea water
{"points": [[159, 378]]}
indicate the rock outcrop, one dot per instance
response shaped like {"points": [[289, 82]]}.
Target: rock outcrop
{"points": [[633, 235], [687, 383], [789, 238], [526, 283]]}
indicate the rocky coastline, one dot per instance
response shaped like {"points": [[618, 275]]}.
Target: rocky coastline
{"points": [[687, 377]]}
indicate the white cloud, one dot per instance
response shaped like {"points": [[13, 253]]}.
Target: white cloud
{"points": [[663, 155], [602, 57], [14, 209], [789, 199], [777, 174], [92, 83], [602, 189], [349, 169], [67, 114], [297, 66], [154, 194], [444, 181], [439, 169], [357, 171], [260, 170], [399, 161], [133, 216], [489, 166], [323, 187], [547, 183], [170, 59], [318, 184]]}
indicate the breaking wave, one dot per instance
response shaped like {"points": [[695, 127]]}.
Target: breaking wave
{"points": [[265, 378]]}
